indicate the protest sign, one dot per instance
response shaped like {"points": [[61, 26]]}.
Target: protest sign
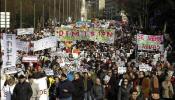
{"points": [[30, 59], [150, 42], [144, 67], [9, 56], [91, 34], [45, 43], [121, 70], [10, 70], [22, 45], [22, 31], [49, 72], [42, 85]]}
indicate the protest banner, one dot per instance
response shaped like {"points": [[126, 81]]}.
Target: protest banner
{"points": [[9, 53], [42, 85], [30, 59], [91, 34], [23, 31], [22, 45], [150, 42], [45, 43]]}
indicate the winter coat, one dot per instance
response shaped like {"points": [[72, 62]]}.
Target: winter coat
{"points": [[78, 94], [98, 92], [65, 85], [124, 93], [22, 91], [167, 89], [146, 85]]}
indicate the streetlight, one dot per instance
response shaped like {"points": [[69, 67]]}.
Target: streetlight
{"points": [[21, 13], [43, 12]]}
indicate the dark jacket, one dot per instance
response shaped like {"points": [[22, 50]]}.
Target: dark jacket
{"points": [[124, 93], [22, 91], [78, 94], [65, 85], [98, 92]]}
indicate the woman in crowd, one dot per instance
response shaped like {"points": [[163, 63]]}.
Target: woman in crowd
{"points": [[124, 90]]}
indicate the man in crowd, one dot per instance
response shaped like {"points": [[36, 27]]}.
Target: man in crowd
{"points": [[22, 90], [65, 89]]}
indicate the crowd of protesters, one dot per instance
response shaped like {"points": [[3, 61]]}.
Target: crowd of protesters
{"points": [[101, 80]]}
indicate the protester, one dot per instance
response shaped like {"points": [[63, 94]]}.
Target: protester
{"points": [[22, 90], [98, 92], [124, 90], [88, 69], [65, 89], [78, 94]]}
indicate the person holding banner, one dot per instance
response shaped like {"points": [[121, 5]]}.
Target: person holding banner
{"points": [[22, 90]]}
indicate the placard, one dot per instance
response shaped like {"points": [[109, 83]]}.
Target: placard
{"points": [[49, 72], [30, 59], [45, 43], [23, 31]]}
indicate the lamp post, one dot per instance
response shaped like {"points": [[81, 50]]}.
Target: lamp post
{"points": [[21, 13], [43, 12], [34, 16]]}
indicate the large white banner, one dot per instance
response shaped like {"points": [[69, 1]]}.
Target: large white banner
{"points": [[9, 53], [150, 42], [45, 43], [43, 91], [22, 31], [22, 45]]}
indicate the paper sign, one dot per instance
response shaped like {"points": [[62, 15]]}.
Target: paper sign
{"points": [[121, 70], [45, 43], [49, 72], [30, 59], [22, 31]]}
